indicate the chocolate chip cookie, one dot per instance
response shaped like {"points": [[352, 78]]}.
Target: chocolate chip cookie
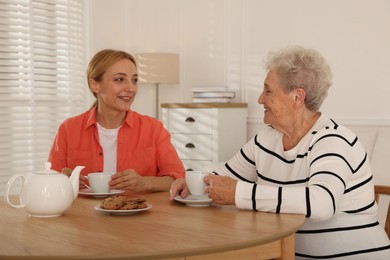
{"points": [[114, 202]]}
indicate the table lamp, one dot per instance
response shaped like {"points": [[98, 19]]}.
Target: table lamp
{"points": [[158, 68]]}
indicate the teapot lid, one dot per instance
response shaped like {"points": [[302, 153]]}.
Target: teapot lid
{"points": [[47, 169]]}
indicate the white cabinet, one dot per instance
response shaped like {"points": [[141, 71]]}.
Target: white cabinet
{"points": [[203, 133]]}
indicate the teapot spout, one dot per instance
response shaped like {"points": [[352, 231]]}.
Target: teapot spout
{"points": [[75, 180]]}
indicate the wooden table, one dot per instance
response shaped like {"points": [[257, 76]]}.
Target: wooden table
{"points": [[168, 230]]}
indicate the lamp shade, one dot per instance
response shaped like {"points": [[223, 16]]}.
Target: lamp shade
{"points": [[158, 68]]}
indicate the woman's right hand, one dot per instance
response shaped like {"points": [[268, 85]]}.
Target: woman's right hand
{"points": [[66, 171], [179, 187], [83, 182]]}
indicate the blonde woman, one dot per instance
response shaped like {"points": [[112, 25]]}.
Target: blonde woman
{"points": [[110, 137]]}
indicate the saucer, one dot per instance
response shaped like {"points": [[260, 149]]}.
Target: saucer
{"points": [[90, 192], [195, 200], [120, 212]]}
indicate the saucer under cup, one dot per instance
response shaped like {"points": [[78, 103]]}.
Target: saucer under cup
{"points": [[194, 181], [98, 181]]}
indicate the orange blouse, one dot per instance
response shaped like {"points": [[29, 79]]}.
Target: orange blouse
{"points": [[143, 145]]}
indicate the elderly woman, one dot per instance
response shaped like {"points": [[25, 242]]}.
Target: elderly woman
{"points": [[304, 163]]}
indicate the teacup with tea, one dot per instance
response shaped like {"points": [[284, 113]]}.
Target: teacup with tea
{"points": [[195, 183], [98, 181]]}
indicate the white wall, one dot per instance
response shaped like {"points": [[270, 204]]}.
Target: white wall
{"points": [[223, 42]]}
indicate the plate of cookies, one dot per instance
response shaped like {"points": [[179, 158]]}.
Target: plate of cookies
{"points": [[123, 205]]}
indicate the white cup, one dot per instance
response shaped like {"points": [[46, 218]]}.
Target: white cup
{"points": [[194, 181], [98, 181]]}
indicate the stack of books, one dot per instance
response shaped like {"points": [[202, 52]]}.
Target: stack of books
{"points": [[218, 94]]}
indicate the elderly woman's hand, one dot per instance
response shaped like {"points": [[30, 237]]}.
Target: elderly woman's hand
{"points": [[129, 180], [221, 189], [179, 187]]}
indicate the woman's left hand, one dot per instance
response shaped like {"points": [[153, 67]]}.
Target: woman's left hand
{"points": [[128, 180], [221, 189], [179, 188]]}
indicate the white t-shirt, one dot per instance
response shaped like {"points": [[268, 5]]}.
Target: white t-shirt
{"points": [[108, 140]]}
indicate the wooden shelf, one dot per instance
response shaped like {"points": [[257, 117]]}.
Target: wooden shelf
{"points": [[203, 105]]}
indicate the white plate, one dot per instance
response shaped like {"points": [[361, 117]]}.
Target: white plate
{"points": [[195, 200], [89, 192], [122, 212]]}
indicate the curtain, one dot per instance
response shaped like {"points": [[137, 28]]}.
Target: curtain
{"points": [[42, 78]]}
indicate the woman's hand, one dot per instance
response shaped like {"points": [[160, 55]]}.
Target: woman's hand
{"points": [[221, 189], [82, 179], [129, 180], [66, 171], [179, 187]]}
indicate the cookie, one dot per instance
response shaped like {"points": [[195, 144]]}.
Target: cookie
{"points": [[142, 205], [130, 205], [136, 199], [114, 202]]}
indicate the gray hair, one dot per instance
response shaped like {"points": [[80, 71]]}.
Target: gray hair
{"points": [[298, 67]]}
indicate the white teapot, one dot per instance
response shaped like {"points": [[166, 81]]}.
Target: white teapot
{"points": [[46, 193]]}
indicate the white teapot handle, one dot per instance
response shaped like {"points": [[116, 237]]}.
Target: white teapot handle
{"points": [[8, 188]]}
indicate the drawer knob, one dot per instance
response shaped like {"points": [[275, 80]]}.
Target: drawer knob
{"points": [[190, 120], [190, 145]]}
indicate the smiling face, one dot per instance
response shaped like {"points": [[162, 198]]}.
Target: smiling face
{"points": [[118, 87], [279, 106]]}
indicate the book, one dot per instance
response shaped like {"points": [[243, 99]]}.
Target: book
{"points": [[210, 89], [226, 94], [213, 100]]}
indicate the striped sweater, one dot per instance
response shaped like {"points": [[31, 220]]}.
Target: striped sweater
{"points": [[327, 177]]}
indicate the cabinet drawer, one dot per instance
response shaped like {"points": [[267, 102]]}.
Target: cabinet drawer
{"points": [[195, 165], [193, 146], [191, 121]]}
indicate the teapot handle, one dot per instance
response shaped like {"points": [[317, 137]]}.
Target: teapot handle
{"points": [[8, 188]]}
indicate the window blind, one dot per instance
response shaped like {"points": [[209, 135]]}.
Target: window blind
{"points": [[42, 79]]}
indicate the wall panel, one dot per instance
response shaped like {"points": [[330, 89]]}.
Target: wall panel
{"points": [[225, 42]]}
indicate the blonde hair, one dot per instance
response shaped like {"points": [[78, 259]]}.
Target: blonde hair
{"points": [[100, 63], [298, 67]]}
